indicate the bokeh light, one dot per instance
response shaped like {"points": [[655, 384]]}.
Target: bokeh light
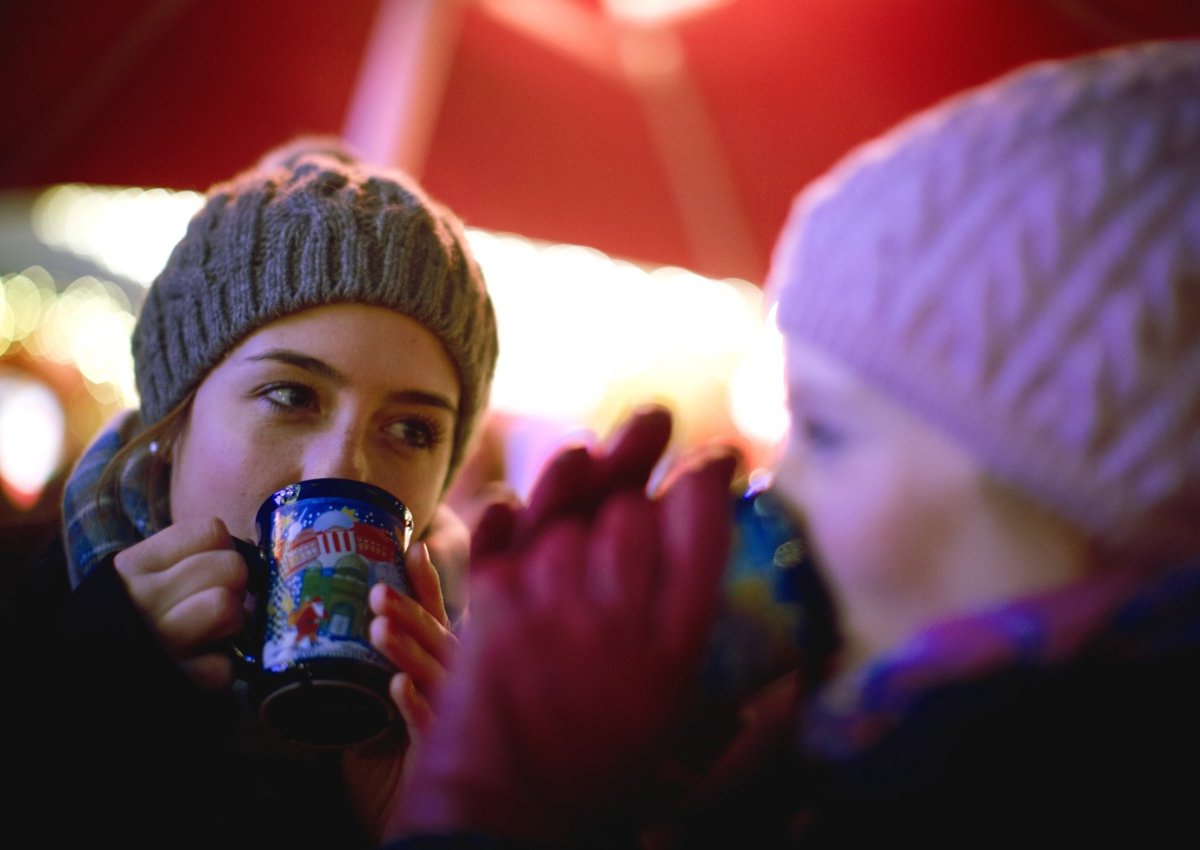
{"points": [[128, 231], [33, 426]]}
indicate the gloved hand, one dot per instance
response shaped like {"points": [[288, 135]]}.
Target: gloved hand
{"points": [[590, 612], [575, 480]]}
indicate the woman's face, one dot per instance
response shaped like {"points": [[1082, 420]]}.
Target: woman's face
{"points": [[346, 391]]}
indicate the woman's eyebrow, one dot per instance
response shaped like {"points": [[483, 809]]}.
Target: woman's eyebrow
{"points": [[301, 361], [425, 398]]}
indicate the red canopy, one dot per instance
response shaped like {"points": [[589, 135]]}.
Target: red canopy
{"points": [[542, 117]]}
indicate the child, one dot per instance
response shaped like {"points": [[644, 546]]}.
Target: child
{"points": [[992, 335], [321, 317]]}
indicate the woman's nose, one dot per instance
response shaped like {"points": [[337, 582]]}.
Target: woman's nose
{"points": [[338, 452]]}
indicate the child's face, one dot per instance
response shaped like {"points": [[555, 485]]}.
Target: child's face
{"points": [[898, 515], [345, 391]]}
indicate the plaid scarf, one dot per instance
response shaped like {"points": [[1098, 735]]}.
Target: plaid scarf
{"points": [[97, 522], [1120, 613]]}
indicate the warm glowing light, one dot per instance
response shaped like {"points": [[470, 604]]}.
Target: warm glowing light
{"points": [[23, 298], [584, 334], [757, 392], [128, 231], [87, 325], [658, 12], [32, 426]]}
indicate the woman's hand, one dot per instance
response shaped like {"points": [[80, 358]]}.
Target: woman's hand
{"points": [[189, 583], [414, 633]]}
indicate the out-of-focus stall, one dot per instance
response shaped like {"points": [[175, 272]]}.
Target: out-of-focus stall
{"points": [[622, 165]]}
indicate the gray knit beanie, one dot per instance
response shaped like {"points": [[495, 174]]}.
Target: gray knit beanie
{"points": [[1020, 267], [310, 225]]}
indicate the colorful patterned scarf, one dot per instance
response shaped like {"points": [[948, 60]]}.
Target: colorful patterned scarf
{"points": [[1120, 613], [97, 522]]}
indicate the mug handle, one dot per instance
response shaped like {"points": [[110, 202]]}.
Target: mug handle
{"points": [[247, 644]]}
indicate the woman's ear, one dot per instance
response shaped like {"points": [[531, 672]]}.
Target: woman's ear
{"points": [[171, 432], [165, 446]]}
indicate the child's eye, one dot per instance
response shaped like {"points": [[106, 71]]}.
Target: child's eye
{"points": [[820, 435], [290, 396], [417, 432]]}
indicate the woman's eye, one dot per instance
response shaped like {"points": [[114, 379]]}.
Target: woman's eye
{"points": [[290, 396], [417, 432]]}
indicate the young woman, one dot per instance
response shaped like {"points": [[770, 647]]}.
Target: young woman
{"points": [[321, 318]]}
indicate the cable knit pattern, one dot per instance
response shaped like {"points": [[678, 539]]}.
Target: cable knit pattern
{"points": [[311, 225], [1020, 266]]}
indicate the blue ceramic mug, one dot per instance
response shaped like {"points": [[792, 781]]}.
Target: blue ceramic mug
{"points": [[322, 545], [775, 616]]}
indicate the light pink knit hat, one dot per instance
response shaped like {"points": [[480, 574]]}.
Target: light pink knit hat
{"points": [[1020, 266]]}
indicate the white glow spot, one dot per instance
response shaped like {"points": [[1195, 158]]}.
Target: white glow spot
{"points": [[758, 395], [129, 231], [32, 426], [658, 12]]}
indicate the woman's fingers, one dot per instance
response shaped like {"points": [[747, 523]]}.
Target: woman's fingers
{"points": [[411, 637], [180, 561], [413, 632], [204, 617], [189, 584], [168, 547], [414, 706], [425, 583], [425, 668], [195, 574]]}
